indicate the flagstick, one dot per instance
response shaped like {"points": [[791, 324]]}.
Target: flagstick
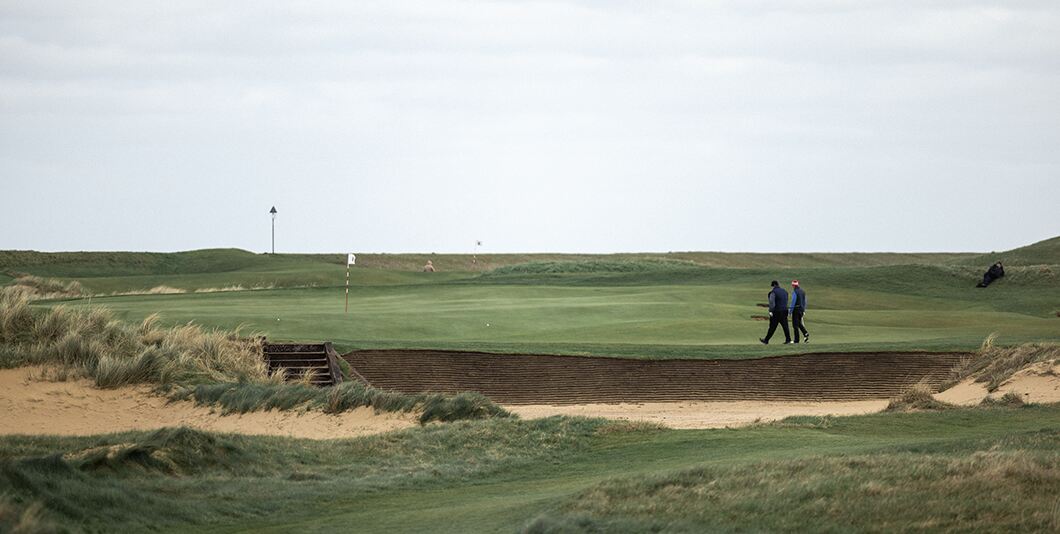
{"points": [[347, 287]]}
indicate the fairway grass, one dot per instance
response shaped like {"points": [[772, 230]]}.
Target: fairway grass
{"points": [[977, 469], [651, 321]]}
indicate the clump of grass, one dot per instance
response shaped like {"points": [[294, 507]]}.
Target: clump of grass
{"points": [[467, 405], [917, 398], [1009, 400], [36, 288], [165, 290], [994, 364]]}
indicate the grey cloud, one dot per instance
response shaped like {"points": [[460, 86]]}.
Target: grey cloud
{"points": [[531, 125]]}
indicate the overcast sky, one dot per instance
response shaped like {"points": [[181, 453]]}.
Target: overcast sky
{"points": [[532, 126]]}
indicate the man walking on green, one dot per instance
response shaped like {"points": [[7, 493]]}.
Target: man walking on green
{"points": [[778, 313], [798, 310]]}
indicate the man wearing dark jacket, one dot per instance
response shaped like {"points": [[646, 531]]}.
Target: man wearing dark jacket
{"points": [[996, 271], [778, 313], [798, 309]]}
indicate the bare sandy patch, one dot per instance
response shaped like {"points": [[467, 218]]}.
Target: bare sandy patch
{"points": [[967, 392], [1038, 383], [33, 406], [702, 414]]}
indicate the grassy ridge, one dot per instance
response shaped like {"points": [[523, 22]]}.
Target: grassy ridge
{"points": [[980, 469]]}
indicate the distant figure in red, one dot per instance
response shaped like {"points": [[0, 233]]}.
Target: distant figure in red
{"points": [[429, 268], [798, 310]]}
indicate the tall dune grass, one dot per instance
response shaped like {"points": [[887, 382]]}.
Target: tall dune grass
{"points": [[36, 288], [114, 353]]}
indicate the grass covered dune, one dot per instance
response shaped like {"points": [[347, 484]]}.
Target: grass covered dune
{"points": [[974, 469]]}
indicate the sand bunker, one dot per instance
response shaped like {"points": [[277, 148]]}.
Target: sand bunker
{"points": [[702, 414], [32, 406], [1038, 383]]}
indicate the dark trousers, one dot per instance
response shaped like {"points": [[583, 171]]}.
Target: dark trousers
{"points": [[796, 324], [781, 318]]}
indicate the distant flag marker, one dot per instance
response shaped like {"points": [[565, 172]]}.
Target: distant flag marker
{"points": [[351, 259]]}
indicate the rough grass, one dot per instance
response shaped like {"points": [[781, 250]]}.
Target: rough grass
{"points": [[249, 397], [17, 518], [994, 364], [113, 353], [964, 469], [1012, 485], [917, 398], [1010, 400], [180, 478], [32, 287]]}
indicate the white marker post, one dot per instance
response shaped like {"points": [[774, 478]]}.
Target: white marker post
{"points": [[351, 258]]}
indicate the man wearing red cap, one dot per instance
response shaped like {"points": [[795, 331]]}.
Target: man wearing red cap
{"points": [[798, 309]]}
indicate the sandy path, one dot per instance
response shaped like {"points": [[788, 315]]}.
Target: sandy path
{"points": [[31, 406], [702, 414]]}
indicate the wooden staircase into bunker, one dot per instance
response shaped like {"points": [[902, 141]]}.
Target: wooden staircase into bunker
{"points": [[296, 360]]}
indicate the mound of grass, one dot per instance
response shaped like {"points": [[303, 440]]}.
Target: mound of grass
{"points": [[1008, 400], [250, 397], [916, 399], [172, 451], [994, 364], [90, 481]]}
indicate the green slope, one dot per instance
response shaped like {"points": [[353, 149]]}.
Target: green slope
{"points": [[1045, 252]]}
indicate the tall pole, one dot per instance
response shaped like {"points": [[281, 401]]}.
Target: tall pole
{"points": [[273, 213]]}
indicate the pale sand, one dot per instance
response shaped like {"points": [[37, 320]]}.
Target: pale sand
{"points": [[702, 414], [31, 406], [1038, 383]]}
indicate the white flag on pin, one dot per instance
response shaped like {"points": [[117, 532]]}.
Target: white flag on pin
{"points": [[351, 259]]}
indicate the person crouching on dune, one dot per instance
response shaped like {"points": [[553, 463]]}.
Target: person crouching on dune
{"points": [[429, 268]]}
